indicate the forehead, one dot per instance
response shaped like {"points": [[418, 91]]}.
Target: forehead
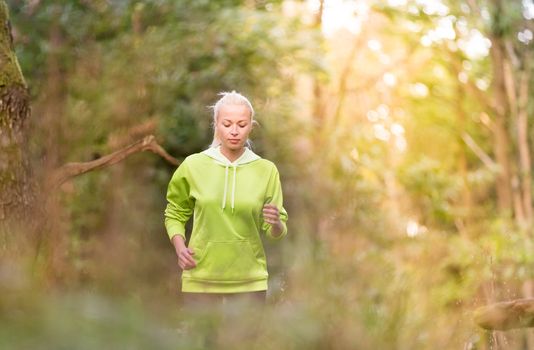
{"points": [[234, 112]]}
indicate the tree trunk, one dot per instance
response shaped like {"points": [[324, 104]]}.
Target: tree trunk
{"points": [[502, 140], [523, 143], [16, 193], [318, 100]]}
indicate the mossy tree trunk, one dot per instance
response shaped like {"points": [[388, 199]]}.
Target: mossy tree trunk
{"points": [[16, 188]]}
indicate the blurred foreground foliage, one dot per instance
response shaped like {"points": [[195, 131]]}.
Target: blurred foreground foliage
{"points": [[395, 233]]}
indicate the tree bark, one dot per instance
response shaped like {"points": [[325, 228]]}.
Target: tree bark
{"points": [[16, 194]]}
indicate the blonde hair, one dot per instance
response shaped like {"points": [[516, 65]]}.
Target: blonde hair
{"points": [[230, 98]]}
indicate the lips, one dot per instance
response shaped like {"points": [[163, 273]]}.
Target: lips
{"points": [[233, 140]]}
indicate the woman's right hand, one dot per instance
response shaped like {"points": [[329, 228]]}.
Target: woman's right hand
{"points": [[185, 255]]}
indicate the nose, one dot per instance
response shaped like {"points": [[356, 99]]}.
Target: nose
{"points": [[233, 131]]}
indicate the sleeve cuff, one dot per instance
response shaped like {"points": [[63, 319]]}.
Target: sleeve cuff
{"points": [[174, 229], [269, 232]]}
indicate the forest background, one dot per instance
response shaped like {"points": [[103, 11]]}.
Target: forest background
{"points": [[401, 128]]}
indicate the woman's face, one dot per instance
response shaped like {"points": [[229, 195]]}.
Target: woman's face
{"points": [[233, 126]]}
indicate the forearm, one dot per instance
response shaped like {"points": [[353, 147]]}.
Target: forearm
{"points": [[178, 242]]}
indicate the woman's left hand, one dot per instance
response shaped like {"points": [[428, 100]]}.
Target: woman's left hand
{"points": [[271, 215]]}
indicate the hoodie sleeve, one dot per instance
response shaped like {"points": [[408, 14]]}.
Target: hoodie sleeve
{"points": [[274, 195], [179, 202]]}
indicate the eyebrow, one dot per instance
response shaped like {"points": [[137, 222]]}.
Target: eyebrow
{"points": [[239, 121]]}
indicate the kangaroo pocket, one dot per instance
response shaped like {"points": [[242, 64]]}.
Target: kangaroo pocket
{"points": [[229, 261]]}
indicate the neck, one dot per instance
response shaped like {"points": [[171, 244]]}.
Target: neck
{"points": [[232, 154]]}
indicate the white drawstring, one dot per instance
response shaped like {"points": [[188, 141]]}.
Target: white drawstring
{"points": [[226, 186], [233, 189], [225, 181]]}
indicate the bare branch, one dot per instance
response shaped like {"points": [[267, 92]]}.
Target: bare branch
{"points": [[479, 152], [480, 96], [71, 170]]}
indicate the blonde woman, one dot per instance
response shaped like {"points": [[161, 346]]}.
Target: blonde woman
{"points": [[234, 196]]}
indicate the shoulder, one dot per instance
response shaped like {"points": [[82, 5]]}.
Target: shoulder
{"points": [[195, 158], [265, 162], [189, 162], [267, 166]]}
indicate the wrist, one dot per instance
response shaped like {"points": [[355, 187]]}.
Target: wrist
{"points": [[178, 241], [277, 228]]}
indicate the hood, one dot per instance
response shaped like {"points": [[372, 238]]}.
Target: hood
{"points": [[247, 157]]}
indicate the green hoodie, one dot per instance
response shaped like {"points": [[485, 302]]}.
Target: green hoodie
{"points": [[226, 199]]}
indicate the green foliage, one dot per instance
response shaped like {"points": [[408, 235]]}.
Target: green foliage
{"points": [[434, 190]]}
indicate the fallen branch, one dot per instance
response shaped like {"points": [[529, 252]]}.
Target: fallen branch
{"points": [[506, 315], [70, 170]]}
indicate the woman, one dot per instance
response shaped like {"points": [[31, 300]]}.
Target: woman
{"points": [[234, 196]]}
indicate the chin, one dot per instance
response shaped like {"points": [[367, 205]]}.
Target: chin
{"points": [[234, 147]]}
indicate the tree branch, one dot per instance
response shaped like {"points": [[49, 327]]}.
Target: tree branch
{"points": [[70, 170], [506, 315], [479, 152]]}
